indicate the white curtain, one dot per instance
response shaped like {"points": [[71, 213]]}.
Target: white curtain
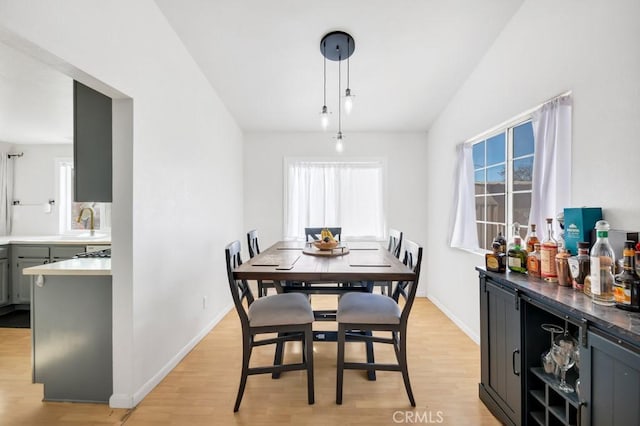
{"points": [[345, 194], [6, 193], [463, 232], [551, 181]]}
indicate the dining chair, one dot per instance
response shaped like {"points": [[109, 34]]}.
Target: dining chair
{"points": [[254, 250], [358, 312], [289, 315], [313, 234], [395, 243]]}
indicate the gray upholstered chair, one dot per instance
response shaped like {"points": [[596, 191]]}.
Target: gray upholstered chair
{"points": [[254, 250], [289, 315], [395, 243], [368, 312], [313, 234]]}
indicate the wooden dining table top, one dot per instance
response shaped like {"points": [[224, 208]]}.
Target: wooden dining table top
{"points": [[286, 261]]}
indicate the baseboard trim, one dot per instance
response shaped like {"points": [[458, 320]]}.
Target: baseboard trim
{"points": [[461, 325], [130, 401]]}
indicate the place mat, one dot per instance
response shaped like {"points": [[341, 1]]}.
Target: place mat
{"points": [[370, 265]]}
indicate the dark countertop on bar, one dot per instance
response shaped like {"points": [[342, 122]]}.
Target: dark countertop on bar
{"points": [[622, 324]]}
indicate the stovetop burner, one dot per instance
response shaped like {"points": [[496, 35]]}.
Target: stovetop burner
{"points": [[106, 253]]}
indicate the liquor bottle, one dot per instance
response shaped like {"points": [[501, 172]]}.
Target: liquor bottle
{"points": [[579, 266], [548, 252], [496, 261], [560, 240], [627, 283], [531, 239], [533, 261], [515, 234], [603, 262], [501, 241], [517, 257]]}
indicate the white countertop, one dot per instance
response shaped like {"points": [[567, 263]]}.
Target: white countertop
{"points": [[84, 266], [78, 239]]}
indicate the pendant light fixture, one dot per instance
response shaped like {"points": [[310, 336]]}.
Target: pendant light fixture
{"points": [[337, 46]]}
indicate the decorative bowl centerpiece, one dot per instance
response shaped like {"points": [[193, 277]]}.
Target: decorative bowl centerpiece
{"points": [[326, 245]]}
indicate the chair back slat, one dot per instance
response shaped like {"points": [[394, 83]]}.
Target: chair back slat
{"points": [[412, 257], [313, 234], [252, 243], [395, 242], [240, 290]]}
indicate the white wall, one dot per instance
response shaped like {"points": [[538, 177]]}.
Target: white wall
{"points": [[178, 188], [587, 46], [406, 175], [35, 183]]}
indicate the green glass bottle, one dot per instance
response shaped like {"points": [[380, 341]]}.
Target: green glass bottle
{"points": [[517, 256]]}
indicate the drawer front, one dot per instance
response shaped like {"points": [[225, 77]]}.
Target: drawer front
{"points": [[30, 252], [4, 252], [66, 252]]}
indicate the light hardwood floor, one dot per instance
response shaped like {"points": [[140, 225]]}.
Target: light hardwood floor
{"points": [[444, 365]]}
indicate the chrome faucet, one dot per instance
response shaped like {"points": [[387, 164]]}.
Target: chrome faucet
{"points": [[92, 232]]}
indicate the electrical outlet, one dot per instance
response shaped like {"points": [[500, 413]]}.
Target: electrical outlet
{"points": [[204, 302]]}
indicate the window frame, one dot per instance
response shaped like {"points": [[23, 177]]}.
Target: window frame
{"points": [[506, 128], [382, 161], [65, 202]]}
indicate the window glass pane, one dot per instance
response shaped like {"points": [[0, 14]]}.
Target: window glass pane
{"points": [[496, 179], [478, 155], [522, 171], [496, 149], [521, 207], [479, 181], [523, 140], [482, 239], [480, 208], [492, 232], [495, 208]]}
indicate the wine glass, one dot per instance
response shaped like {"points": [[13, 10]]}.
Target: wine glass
{"points": [[548, 363], [564, 354]]}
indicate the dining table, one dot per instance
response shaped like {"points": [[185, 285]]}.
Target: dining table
{"points": [[298, 266]]}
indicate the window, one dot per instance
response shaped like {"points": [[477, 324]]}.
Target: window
{"points": [[70, 210], [348, 194], [503, 169]]}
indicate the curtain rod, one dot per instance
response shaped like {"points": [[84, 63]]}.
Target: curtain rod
{"points": [[515, 120], [17, 154]]}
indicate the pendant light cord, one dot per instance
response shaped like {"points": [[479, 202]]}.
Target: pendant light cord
{"points": [[324, 53], [348, 60], [339, 94]]}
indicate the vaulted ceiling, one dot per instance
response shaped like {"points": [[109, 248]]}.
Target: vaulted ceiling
{"points": [[263, 58]]}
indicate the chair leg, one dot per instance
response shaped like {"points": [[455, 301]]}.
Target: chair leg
{"points": [[371, 374], [340, 363], [402, 360], [277, 358], [246, 355], [308, 351]]}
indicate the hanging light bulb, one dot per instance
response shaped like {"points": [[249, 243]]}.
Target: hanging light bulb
{"points": [[324, 115], [348, 98], [348, 101], [324, 118], [339, 145]]}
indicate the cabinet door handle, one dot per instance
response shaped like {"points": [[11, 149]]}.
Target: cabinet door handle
{"points": [[579, 416], [513, 361]]}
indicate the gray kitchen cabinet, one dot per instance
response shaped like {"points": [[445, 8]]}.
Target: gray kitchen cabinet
{"points": [[500, 386], [26, 256], [5, 283], [610, 377], [92, 141]]}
